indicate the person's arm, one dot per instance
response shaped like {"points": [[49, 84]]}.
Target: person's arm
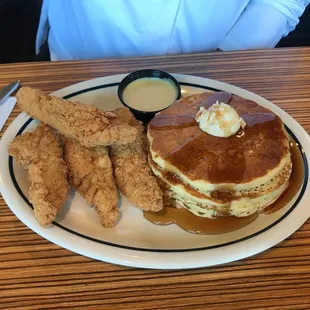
{"points": [[42, 27], [263, 23]]}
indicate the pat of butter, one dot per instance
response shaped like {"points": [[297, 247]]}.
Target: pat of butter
{"points": [[220, 120]]}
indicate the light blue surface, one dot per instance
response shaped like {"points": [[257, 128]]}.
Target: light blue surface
{"points": [[89, 29]]}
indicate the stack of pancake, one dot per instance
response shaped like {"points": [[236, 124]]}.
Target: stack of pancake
{"points": [[213, 176]]}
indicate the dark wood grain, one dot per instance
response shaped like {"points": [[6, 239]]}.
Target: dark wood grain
{"points": [[36, 274]]}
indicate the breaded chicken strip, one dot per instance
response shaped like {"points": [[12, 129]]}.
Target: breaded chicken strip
{"points": [[41, 153], [91, 174], [132, 173], [87, 124]]}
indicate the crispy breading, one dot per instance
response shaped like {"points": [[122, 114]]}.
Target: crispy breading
{"points": [[89, 125], [132, 173], [91, 174], [41, 153]]}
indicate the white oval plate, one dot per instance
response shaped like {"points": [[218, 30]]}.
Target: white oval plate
{"points": [[134, 241]]}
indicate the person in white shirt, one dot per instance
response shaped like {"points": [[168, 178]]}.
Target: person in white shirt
{"points": [[89, 29]]}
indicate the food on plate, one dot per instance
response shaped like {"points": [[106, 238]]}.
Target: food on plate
{"points": [[213, 174], [88, 125], [133, 175], [220, 120], [41, 154], [91, 174], [216, 155]]}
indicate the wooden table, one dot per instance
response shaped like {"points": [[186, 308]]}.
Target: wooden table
{"points": [[36, 274]]}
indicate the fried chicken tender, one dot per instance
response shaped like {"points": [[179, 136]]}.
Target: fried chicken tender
{"points": [[41, 154], [91, 174], [132, 173], [89, 125]]}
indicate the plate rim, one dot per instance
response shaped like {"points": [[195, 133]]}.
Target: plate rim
{"points": [[205, 81]]}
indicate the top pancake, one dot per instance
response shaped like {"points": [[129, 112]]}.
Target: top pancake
{"points": [[251, 157]]}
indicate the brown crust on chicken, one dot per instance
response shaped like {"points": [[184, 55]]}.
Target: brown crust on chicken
{"points": [[41, 153], [91, 174], [89, 125], [132, 173]]}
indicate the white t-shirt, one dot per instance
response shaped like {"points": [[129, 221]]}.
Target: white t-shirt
{"points": [[89, 29]]}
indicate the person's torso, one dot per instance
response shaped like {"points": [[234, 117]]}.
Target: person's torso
{"points": [[87, 29]]}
